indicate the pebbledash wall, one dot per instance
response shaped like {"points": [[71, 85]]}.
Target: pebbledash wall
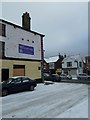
{"points": [[22, 50]]}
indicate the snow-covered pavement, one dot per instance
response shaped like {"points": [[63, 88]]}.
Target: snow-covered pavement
{"points": [[59, 100]]}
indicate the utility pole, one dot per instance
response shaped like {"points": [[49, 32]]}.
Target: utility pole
{"points": [[42, 60]]}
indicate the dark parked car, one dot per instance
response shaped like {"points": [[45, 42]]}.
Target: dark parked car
{"points": [[83, 76], [55, 78], [17, 84], [52, 77]]}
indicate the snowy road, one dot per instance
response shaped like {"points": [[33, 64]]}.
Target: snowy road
{"points": [[47, 101]]}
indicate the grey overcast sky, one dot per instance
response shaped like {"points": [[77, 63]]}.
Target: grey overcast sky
{"points": [[65, 24]]}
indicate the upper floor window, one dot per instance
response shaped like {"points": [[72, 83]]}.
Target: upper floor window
{"points": [[2, 29], [80, 64], [2, 49], [69, 64]]}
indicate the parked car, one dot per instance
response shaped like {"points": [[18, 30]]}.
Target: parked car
{"points": [[65, 76], [56, 78], [17, 84], [69, 77], [52, 77], [47, 77], [83, 76]]}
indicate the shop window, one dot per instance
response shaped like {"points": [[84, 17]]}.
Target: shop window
{"points": [[18, 70], [2, 29]]}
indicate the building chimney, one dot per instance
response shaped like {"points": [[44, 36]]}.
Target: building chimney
{"points": [[26, 21]]}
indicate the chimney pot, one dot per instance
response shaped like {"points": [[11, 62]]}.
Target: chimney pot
{"points": [[26, 21]]}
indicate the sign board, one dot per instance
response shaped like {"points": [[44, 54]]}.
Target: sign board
{"points": [[59, 71], [26, 49]]}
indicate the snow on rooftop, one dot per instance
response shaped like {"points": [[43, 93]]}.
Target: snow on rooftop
{"points": [[74, 57], [51, 59]]}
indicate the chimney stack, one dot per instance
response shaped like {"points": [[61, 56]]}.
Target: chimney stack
{"points": [[26, 21]]}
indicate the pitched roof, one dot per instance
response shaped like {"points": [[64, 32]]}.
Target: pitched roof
{"points": [[73, 57], [10, 23]]}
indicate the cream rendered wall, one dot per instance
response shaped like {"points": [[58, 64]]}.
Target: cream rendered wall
{"points": [[32, 70], [0, 68], [31, 67], [0, 63]]}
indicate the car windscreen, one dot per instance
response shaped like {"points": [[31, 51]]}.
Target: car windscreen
{"points": [[46, 75], [9, 80]]}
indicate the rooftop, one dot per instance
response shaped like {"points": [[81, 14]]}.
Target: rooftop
{"points": [[10, 23]]}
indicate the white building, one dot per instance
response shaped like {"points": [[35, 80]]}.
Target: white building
{"points": [[72, 65], [21, 49]]}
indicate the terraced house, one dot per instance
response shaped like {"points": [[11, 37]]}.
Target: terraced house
{"points": [[21, 50]]}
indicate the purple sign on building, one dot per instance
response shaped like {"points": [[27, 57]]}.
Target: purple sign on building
{"points": [[26, 49]]}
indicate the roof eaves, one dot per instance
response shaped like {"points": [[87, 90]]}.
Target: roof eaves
{"points": [[10, 23]]}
